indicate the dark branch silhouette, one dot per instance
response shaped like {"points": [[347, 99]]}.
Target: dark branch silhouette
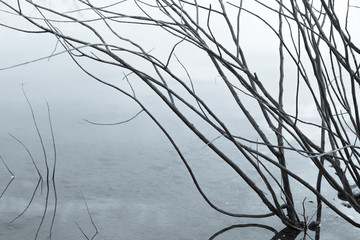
{"points": [[318, 68]]}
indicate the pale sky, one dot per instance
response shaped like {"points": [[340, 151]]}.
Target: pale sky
{"points": [[259, 44]]}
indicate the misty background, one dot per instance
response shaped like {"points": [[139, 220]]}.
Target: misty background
{"points": [[135, 185]]}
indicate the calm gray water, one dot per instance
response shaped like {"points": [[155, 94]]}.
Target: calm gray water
{"points": [[134, 184]]}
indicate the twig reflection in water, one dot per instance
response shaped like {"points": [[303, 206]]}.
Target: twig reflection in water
{"points": [[11, 178], [92, 222], [285, 234], [48, 173]]}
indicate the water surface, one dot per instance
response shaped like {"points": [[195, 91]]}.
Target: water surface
{"points": [[132, 180]]}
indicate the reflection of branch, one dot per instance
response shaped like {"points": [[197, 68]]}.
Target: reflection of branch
{"points": [[92, 222], [40, 178], [30, 201], [46, 162], [7, 186], [116, 123], [242, 226], [12, 176], [286, 234], [53, 171]]}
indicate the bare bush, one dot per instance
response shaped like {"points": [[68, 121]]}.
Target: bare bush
{"points": [[307, 106]]}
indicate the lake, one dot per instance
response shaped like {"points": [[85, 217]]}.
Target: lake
{"points": [[127, 176]]}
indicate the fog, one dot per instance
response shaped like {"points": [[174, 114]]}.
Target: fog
{"points": [[127, 180]]}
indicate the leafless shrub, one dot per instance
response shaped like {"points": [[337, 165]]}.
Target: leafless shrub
{"points": [[315, 40]]}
